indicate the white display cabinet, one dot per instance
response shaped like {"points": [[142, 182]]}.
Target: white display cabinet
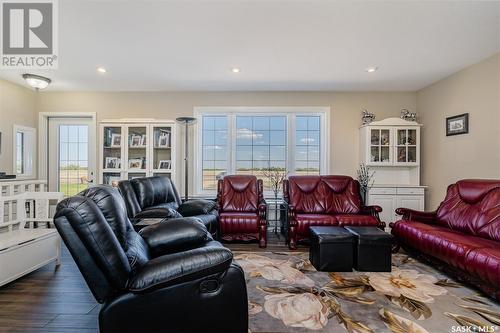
{"points": [[391, 148], [132, 148]]}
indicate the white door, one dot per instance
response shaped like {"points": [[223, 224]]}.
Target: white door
{"points": [[71, 152]]}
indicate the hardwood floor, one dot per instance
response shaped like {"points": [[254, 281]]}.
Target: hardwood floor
{"points": [[58, 300]]}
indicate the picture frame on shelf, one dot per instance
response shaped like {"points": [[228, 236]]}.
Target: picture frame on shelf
{"points": [[165, 164], [143, 140], [113, 180], [135, 141], [457, 125], [116, 140], [112, 163], [135, 163], [163, 140]]}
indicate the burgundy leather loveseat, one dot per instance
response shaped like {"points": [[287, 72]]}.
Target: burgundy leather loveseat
{"points": [[242, 209], [462, 236], [325, 200]]}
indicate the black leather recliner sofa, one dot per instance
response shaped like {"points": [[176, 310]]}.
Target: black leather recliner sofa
{"points": [[157, 197], [170, 277]]}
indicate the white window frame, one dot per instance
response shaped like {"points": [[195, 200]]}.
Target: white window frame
{"points": [[29, 151], [231, 112]]}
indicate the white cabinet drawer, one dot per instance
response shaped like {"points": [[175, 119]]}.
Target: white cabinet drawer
{"points": [[382, 190], [21, 259], [410, 190]]}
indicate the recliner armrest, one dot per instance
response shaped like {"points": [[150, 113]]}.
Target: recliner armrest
{"points": [[262, 210], [371, 209], [181, 267], [175, 235], [196, 207], [415, 215]]}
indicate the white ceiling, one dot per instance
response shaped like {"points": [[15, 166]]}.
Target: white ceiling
{"points": [[188, 45]]}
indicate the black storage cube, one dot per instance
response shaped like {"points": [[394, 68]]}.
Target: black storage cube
{"points": [[372, 252], [331, 249]]}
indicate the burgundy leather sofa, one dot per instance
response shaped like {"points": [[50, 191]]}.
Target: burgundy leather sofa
{"points": [[242, 209], [462, 236], [325, 200]]}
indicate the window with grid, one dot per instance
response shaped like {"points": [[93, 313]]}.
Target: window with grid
{"points": [[260, 145], [214, 150], [73, 158], [307, 145], [256, 143]]}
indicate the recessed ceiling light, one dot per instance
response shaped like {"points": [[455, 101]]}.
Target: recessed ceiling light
{"points": [[36, 81], [101, 70], [235, 70], [372, 69]]}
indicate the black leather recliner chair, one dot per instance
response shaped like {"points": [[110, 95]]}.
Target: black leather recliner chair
{"points": [[157, 197], [170, 277]]}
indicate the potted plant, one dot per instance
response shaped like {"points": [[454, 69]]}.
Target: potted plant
{"points": [[275, 176], [365, 179]]}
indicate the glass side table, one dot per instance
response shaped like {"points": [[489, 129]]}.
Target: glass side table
{"points": [[277, 216]]}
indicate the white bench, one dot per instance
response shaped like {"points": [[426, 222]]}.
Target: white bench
{"points": [[23, 249]]}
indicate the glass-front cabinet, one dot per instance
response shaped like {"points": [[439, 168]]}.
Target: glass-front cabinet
{"points": [[137, 161], [112, 149], [162, 149], [380, 146], [386, 145], [406, 145], [136, 149]]}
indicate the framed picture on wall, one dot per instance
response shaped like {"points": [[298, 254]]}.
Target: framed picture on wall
{"points": [[457, 124]]}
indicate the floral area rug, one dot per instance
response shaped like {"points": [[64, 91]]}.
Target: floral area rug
{"points": [[286, 294]]}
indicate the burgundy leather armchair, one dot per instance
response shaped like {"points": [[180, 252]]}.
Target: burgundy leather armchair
{"points": [[462, 236], [242, 209], [325, 200]]}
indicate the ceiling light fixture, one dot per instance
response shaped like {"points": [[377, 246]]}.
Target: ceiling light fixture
{"points": [[101, 70], [36, 81], [235, 70], [372, 69]]}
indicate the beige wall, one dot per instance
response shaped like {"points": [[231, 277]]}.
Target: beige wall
{"points": [[345, 110], [474, 90], [17, 107]]}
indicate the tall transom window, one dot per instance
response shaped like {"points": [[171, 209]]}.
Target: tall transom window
{"points": [[255, 140]]}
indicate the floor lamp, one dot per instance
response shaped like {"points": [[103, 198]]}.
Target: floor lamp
{"points": [[186, 121]]}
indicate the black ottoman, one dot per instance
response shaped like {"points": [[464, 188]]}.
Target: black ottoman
{"points": [[372, 252], [331, 249]]}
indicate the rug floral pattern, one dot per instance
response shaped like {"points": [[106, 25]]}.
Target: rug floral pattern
{"points": [[286, 294]]}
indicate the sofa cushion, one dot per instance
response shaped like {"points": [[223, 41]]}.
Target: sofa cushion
{"points": [[153, 191], [304, 221], [444, 244], [472, 207], [239, 194], [485, 264], [356, 220], [341, 195], [323, 194], [235, 222], [306, 194], [112, 206]]}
